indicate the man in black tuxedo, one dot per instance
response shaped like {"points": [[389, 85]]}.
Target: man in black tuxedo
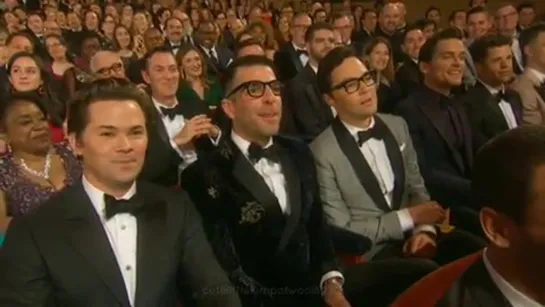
{"points": [[388, 22], [439, 126], [35, 30], [217, 57], [507, 185], [491, 105], [174, 34], [292, 56], [109, 240], [408, 73], [311, 114], [183, 130]]}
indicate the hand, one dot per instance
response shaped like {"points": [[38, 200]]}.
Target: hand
{"points": [[334, 296], [195, 127], [421, 245], [214, 132], [427, 213]]}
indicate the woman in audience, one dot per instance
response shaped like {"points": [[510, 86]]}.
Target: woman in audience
{"points": [[378, 56], [34, 169], [264, 33], [196, 86], [282, 32], [108, 28], [124, 44], [57, 51], [26, 74]]}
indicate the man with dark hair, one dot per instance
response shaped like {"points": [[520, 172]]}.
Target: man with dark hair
{"points": [[408, 74], [217, 57], [457, 19], [368, 25], [343, 22], [531, 84], [291, 57], [491, 105], [320, 15], [249, 47], [439, 126], [507, 185], [506, 24], [478, 23], [388, 22], [427, 26], [527, 15], [110, 240], [301, 97], [174, 34]]}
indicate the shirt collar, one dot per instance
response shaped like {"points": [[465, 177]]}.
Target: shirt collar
{"points": [[540, 76], [515, 297], [159, 105], [244, 144], [297, 48], [492, 90], [97, 196], [353, 130]]}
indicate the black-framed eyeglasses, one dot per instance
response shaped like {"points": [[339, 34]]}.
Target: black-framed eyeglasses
{"points": [[256, 89], [115, 68], [352, 85]]}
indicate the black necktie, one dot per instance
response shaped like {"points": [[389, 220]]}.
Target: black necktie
{"points": [[172, 112], [373, 133], [256, 152], [116, 206], [213, 56], [501, 95], [301, 51]]}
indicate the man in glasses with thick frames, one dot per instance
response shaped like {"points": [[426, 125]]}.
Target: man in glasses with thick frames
{"points": [[257, 194]]}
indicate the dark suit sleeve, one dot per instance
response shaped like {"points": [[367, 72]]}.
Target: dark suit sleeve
{"points": [[455, 188], [217, 230], [24, 280], [323, 259], [209, 282]]}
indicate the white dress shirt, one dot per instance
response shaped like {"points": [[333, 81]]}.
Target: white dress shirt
{"points": [[375, 153], [517, 53], [173, 127], [302, 57], [514, 296], [271, 172], [505, 107], [121, 231]]}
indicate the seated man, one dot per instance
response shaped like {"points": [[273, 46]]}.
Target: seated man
{"points": [[508, 184], [368, 171]]}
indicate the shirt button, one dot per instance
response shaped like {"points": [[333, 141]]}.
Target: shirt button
{"points": [[123, 227], [128, 268]]}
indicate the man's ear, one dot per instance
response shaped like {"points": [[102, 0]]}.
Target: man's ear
{"points": [[228, 107], [328, 99], [145, 76], [75, 144], [498, 228]]}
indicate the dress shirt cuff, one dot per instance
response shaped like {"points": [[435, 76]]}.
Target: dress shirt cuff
{"points": [[327, 276], [425, 228], [405, 220], [215, 141], [188, 156]]}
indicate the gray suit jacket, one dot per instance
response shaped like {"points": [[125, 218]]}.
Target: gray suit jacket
{"points": [[350, 191], [533, 104]]}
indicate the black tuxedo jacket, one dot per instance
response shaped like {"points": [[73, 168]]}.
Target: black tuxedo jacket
{"points": [[259, 246], [311, 114], [408, 76], [225, 57], [61, 256], [475, 288], [486, 117], [287, 62], [445, 168], [162, 161]]}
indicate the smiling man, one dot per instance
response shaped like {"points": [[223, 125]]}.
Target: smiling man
{"points": [[439, 126]]}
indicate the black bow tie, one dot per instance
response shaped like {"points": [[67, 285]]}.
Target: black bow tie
{"points": [[256, 152], [116, 206], [175, 46], [301, 51], [172, 112], [373, 133], [501, 96]]}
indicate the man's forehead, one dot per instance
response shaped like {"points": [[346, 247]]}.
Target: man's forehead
{"points": [[254, 73], [450, 45]]}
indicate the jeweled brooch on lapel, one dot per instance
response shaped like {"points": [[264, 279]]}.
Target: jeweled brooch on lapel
{"points": [[213, 192], [226, 152], [251, 213]]}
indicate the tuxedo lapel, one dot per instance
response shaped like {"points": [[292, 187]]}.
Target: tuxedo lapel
{"points": [[293, 189], [161, 129], [396, 161], [152, 242], [89, 239], [295, 57], [313, 95], [359, 164], [250, 179], [492, 111]]}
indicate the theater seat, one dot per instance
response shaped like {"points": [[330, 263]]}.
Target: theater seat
{"points": [[349, 245], [430, 289]]}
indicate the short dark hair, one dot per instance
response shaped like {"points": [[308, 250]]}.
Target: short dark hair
{"points": [[315, 27], [247, 43], [152, 52], [18, 97], [526, 5], [476, 10], [529, 36], [412, 27], [427, 52], [453, 14], [341, 14], [367, 11], [116, 89], [504, 171], [320, 10], [431, 9], [424, 22], [12, 36], [480, 47], [243, 62], [328, 64]]}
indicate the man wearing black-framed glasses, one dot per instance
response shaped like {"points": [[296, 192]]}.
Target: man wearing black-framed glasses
{"points": [[106, 64]]}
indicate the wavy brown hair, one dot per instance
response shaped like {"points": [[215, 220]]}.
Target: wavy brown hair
{"points": [[182, 52], [389, 71]]}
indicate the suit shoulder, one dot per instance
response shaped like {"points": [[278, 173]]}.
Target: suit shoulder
{"points": [[391, 119], [323, 139], [294, 144]]}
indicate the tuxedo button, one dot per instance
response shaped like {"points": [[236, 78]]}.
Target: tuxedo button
{"points": [[123, 227], [128, 268]]}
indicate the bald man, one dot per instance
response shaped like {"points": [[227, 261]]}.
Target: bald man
{"points": [[106, 64], [388, 22]]}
